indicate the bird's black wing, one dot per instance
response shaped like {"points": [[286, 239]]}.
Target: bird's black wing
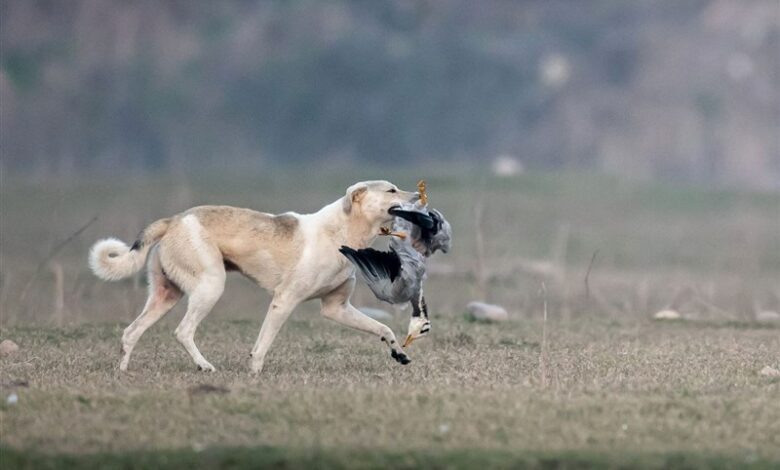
{"points": [[421, 219], [374, 264]]}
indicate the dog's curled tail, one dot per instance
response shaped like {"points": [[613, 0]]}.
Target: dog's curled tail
{"points": [[111, 259]]}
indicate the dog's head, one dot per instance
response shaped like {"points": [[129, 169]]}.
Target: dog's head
{"points": [[373, 199]]}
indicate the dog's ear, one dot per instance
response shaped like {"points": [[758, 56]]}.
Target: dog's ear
{"points": [[354, 194]]}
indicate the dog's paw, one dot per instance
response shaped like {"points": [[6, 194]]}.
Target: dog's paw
{"points": [[256, 367], [400, 357], [206, 367], [123, 363]]}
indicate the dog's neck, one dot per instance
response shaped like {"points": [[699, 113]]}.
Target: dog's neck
{"points": [[360, 233], [351, 229]]}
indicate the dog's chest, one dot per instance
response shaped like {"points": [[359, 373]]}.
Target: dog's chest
{"points": [[322, 267], [326, 277]]}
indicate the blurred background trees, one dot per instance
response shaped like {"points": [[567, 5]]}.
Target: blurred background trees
{"points": [[655, 89]]}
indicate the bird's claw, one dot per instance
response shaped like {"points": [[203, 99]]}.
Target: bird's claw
{"points": [[387, 232]]}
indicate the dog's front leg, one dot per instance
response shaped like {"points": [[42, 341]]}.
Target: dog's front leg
{"points": [[337, 307], [350, 316], [280, 309]]}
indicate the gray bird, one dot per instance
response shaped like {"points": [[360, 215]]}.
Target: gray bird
{"points": [[396, 276]]}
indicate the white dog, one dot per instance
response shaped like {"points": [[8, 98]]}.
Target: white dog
{"points": [[294, 256]]}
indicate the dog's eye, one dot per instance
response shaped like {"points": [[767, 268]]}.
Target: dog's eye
{"points": [[392, 190]]}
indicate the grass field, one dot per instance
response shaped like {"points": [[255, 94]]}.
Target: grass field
{"points": [[606, 387]]}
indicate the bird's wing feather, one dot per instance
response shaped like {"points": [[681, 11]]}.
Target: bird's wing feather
{"points": [[374, 263], [378, 268]]}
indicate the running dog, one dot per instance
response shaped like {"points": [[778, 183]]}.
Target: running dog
{"points": [[294, 256]]}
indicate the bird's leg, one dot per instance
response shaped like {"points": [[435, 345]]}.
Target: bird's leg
{"points": [[423, 305], [418, 304], [419, 325]]}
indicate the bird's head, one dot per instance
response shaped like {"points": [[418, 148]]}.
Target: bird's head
{"points": [[418, 327], [442, 238]]}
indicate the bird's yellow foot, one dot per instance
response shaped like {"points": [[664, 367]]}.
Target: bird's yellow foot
{"points": [[423, 195]]}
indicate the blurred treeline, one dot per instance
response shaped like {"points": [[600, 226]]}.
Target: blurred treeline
{"points": [[655, 89]]}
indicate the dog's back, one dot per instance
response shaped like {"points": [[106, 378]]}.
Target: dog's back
{"points": [[261, 246]]}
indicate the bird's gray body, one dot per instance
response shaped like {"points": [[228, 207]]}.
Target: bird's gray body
{"points": [[408, 284], [397, 276]]}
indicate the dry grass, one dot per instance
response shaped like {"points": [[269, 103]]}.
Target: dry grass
{"points": [[646, 387], [612, 379]]}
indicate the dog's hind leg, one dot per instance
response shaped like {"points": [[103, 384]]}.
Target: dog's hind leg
{"points": [[200, 302], [163, 295]]}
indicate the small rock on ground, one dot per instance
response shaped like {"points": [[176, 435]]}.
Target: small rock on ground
{"points": [[667, 315], [487, 312], [8, 347], [376, 313], [770, 372]]}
